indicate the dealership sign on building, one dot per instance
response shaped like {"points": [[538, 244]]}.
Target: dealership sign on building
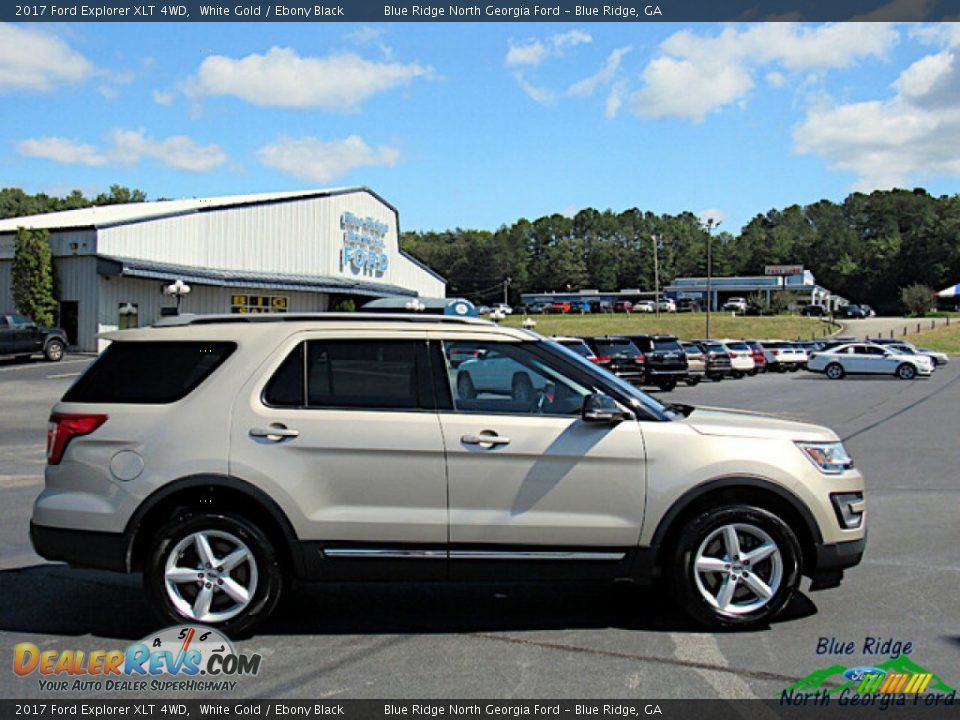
{"points": [[363, 244], [783, 270]]}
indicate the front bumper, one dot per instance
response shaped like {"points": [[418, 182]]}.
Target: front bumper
{"points": [[832, 559], [80, 548]]}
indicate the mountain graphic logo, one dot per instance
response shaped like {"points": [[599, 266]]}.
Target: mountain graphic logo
{"points": [[897, 675]]}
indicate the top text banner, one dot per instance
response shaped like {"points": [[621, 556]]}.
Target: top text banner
{"points": [[483, 11]]}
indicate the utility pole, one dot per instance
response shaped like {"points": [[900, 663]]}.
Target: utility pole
{"points": [[656, 273], [506, 282], [709, 225]]}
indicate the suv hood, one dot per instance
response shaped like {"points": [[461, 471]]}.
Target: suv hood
{"points": [[736, 423]]}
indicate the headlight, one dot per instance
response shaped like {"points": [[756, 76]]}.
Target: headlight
{"points": [[831, 458]]}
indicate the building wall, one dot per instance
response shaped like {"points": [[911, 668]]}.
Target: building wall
{"points": [[302, 236], [148, 296]]}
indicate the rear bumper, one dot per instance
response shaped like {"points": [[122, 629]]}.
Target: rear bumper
{"points": [[80, 548]]}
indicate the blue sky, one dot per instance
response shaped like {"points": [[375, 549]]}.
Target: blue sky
{"points": [[477, 125]]}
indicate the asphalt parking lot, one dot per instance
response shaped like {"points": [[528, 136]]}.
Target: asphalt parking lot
{"points": [[569, 641]]}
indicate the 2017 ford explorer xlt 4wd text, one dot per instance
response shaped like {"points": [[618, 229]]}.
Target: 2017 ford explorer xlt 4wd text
{"points": [[225, 456]]}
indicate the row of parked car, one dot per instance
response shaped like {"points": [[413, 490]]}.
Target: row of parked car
{"points": [[589, 307], [664, 360]]}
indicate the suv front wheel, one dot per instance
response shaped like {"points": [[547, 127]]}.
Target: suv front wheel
{"points": [[217, 569], [735, 567]]}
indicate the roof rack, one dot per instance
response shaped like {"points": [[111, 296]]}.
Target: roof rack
{"points": [[214, 319]]}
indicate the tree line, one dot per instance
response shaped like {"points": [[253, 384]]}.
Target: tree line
{"points": [[34, 276], [867, 249]]}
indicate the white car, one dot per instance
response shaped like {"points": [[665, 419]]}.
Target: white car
{"points": [[736, 304], [782, 355], [647, 306], [869, 359], [741, 357], [668, 305], [504, 308], [939, 358]]}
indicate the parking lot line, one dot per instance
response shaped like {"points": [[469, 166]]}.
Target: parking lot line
{"points": [[25, 367], [63, 375]]}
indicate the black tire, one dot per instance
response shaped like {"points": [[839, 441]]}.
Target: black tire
{"points": [[906, 371], [263, 570], [521, 389], [716, 378], [781, 368], [692, 381], [834, 371], [753, 527], [53, 350], [736, 375], [466, 390], [753, 373], [667, 385], [794, 368]]}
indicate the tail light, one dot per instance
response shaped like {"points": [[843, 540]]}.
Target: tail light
{"points": [[640, 358], [594, 359], [603, 359], [775, 352], [63, 428], [732, 355]]}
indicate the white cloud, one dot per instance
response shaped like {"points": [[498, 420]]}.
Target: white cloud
{"points": [[179, 151], [570, 39], [128, 147], [314, 160], [605, 76], [614, 100], [531, 53], [162, 97], [776, 79], [282, 78], [534, 52], [365, 34], [894, 142], [695, 75], [717, 215], [35, 60], [538, 94], [61, 150]]}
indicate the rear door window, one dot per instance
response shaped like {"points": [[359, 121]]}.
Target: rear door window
{"points": [[350, 374], [152, 373]]}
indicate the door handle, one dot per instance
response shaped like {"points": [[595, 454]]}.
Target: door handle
{"points": [[275, 433], [484, 440]]}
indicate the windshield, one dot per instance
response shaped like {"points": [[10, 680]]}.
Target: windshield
{"points": [[579, 347], [737, 346], [638, 398]]}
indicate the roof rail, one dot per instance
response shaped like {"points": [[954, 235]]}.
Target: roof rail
{"points": [[213, 319]]}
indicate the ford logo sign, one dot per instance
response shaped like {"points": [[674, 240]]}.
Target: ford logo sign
{"points": [[857, 673]]}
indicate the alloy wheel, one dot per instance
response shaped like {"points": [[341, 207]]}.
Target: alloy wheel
{"points": [[738, 569]]}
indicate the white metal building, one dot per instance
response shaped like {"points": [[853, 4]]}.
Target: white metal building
{"points": [[291, 251]]}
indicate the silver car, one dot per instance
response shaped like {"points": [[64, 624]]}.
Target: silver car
{"points": [[224, 456]]}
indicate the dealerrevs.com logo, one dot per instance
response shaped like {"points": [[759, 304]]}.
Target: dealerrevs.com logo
{"points": [[183, 658]]}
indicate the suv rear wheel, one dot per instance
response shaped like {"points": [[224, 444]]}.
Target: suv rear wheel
{"points": [[735, 567], [218, 569]]}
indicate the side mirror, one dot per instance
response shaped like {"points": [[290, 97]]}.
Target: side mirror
{"points": [[598, 407]]}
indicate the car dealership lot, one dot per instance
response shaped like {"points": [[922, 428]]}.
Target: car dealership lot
{"points": [[503, 640]]}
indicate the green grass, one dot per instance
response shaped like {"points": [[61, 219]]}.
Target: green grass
{"points": [[945, 338], [684, 325]]}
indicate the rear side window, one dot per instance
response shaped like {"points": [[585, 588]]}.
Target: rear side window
{"points": [[152, 373], [365, 374]]}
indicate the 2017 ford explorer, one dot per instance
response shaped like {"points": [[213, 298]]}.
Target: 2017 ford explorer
{"points": [[225, 456]]}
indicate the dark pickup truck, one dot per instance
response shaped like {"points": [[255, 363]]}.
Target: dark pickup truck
{"points": [[21, 336]]}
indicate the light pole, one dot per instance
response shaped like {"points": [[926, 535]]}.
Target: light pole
{"points": [[710, 224], [656, 273], [178, 289]]}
